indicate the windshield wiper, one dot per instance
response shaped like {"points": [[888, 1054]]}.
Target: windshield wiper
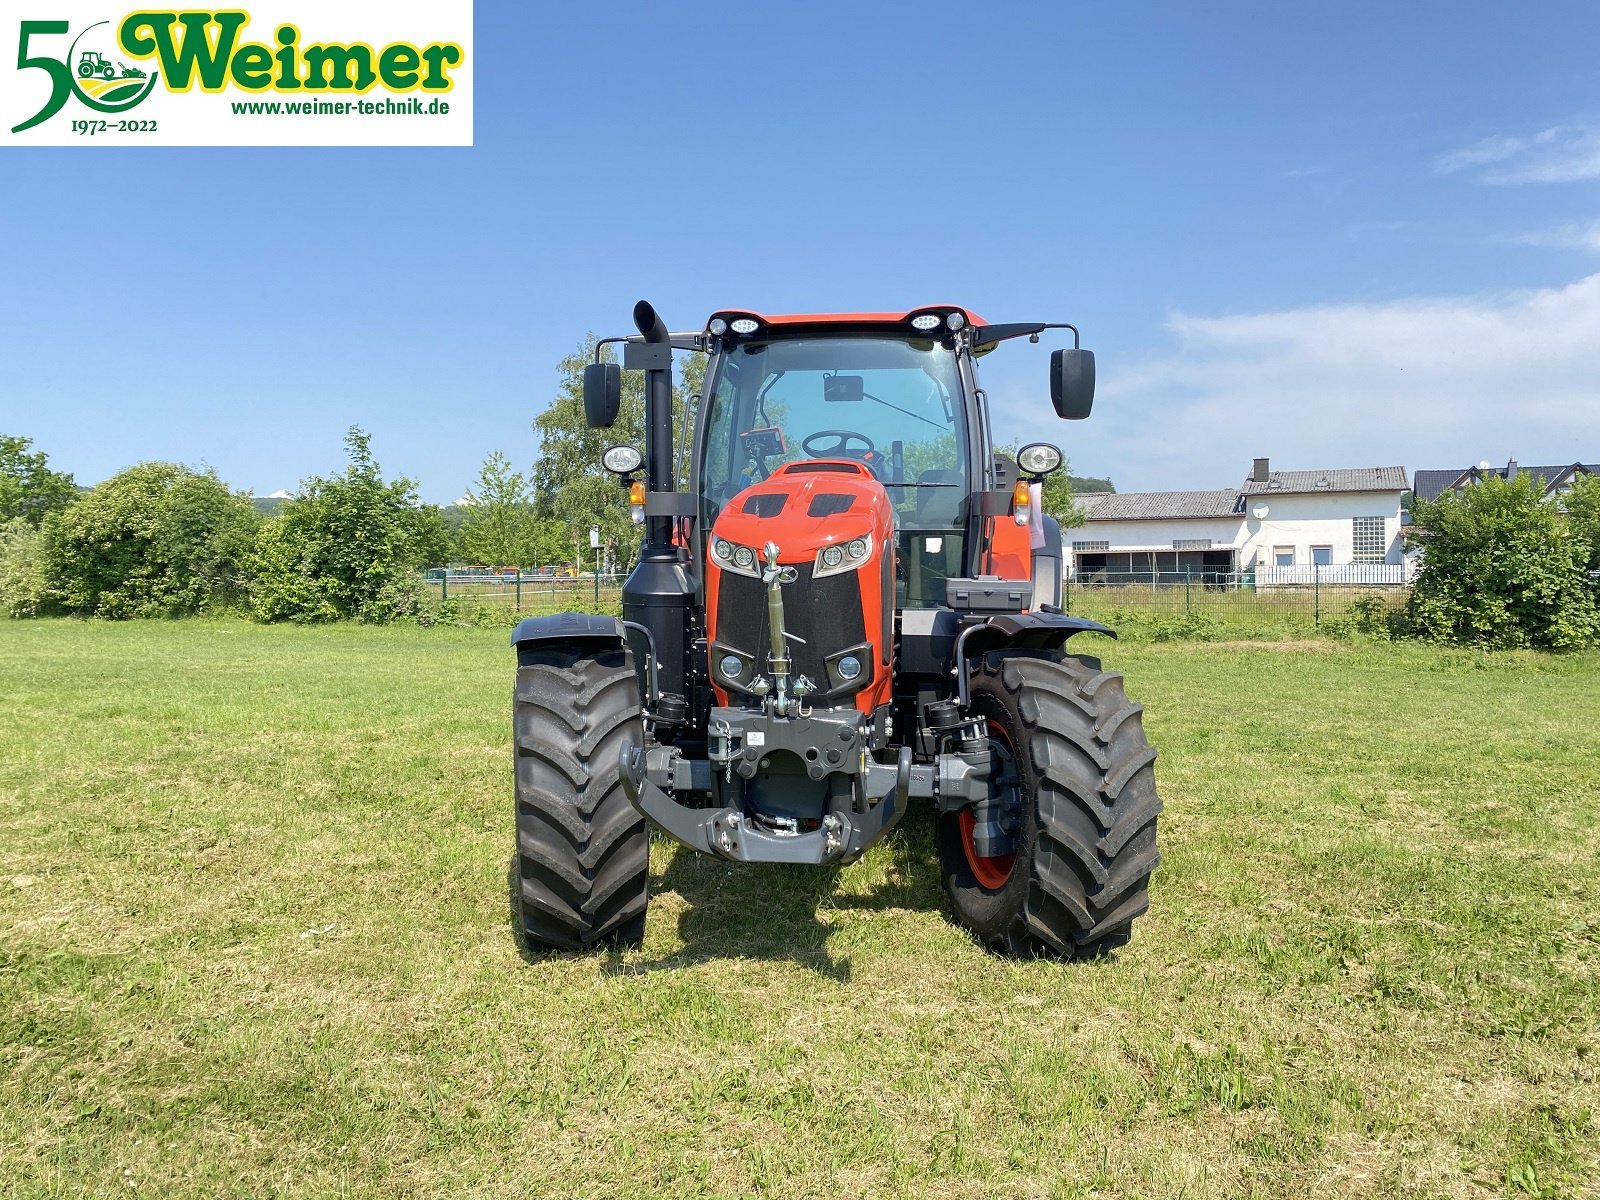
{"points": [[907, 412]]}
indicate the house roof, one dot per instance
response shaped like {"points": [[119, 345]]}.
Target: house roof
{"points": [[1430, 485], [1343, 479], [1156, 506]]}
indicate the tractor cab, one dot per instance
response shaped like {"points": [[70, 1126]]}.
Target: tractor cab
{"points": [[854, 606], [892, 399]]}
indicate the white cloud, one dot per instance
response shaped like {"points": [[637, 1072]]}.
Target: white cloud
{"points": [[1422, 383], [1572, 236], [1560, 154]]}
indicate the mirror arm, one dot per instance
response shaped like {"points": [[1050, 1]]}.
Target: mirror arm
{"points": [[988, 335], [606, 342]]}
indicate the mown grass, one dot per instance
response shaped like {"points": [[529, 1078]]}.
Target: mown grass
{"points": [[253, 941]]}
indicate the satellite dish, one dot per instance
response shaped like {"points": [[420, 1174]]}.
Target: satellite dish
{"points": [[1259, 510]]}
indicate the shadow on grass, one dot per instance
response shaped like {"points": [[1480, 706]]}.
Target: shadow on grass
{"points": [[772, 911]]}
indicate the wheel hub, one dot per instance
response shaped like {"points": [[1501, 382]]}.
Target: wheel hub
{"points": [[989, 828]]}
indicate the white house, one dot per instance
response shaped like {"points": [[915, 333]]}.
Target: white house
{"points": [[1279, 527]]}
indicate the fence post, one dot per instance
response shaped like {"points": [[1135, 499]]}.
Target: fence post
{"points": [[444, 587], [519, 589], [1188, 604], [1316, 595]]}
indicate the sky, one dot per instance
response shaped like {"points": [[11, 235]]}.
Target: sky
{"points": [[1335, 235]]}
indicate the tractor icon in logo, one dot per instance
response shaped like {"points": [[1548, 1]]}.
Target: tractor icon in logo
{"points": [[94, 63], [102, 83]]}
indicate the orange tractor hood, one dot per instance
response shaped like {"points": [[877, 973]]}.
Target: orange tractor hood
{"points": [[805, 506]]}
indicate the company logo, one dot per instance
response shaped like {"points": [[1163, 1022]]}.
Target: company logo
{"points": [[93, 71], [218, 66]]}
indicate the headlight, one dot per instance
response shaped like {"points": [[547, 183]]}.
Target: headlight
{"points": [[732, 668], [731, 556], [847, 557], [1039, 458], [622, 460]]}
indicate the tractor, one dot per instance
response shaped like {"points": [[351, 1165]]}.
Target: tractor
{"points": [[93, 62], [849, 604]]}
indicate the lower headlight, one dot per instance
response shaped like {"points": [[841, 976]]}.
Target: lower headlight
{"points": [[849, 667], [732, 668]]}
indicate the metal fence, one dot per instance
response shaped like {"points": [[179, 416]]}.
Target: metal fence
{"points": [[529, 592], [1281, 600], [1275, 601]]}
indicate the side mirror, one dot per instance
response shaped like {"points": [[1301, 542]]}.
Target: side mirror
{"points": [[1072, 383], [602, 394], [843, 389]]}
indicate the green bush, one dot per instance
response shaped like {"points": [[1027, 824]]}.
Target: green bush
{"points": [[1503, 568], [348, 546], [22, 590], [156, 540]]}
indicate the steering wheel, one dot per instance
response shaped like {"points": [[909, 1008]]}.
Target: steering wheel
{"points": [[842, 438]]}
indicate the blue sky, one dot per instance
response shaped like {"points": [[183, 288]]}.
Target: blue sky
{"points": [[1337, 236]]}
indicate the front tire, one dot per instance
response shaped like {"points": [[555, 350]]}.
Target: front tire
{"points": [[1075, 772], [581, 874]]}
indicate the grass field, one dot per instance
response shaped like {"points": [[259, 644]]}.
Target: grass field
{"points": [[254, 941]]}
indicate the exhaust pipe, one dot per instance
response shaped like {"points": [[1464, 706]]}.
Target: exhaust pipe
{"points": [[649, 322]]}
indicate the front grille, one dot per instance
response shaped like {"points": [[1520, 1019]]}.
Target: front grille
{"points": [[825, 612]]}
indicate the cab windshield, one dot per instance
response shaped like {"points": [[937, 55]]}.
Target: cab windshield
{"points": [[890, 403]]}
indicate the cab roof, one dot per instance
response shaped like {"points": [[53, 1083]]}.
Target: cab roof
{"points": [[837, 319]]}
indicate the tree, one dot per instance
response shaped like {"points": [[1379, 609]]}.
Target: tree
{"points": [[346, 546], [155, 540], [1059, 499], [1090, 483], [501, 527], [28, 487], [1502, 568], [569, 482]]}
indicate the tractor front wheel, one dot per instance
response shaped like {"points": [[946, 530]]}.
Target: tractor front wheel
{"points": [[581, 874], [1058, 861]]}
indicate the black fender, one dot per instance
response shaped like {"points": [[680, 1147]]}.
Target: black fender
{"points": [[567, 627], [588, 629], [1023, 631], [1042, 630]]}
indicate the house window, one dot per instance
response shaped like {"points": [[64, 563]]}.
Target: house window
{"points": [[1192, 544], [1322, 556], [1090, 547], [1369, 541], [1283, 556]]}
